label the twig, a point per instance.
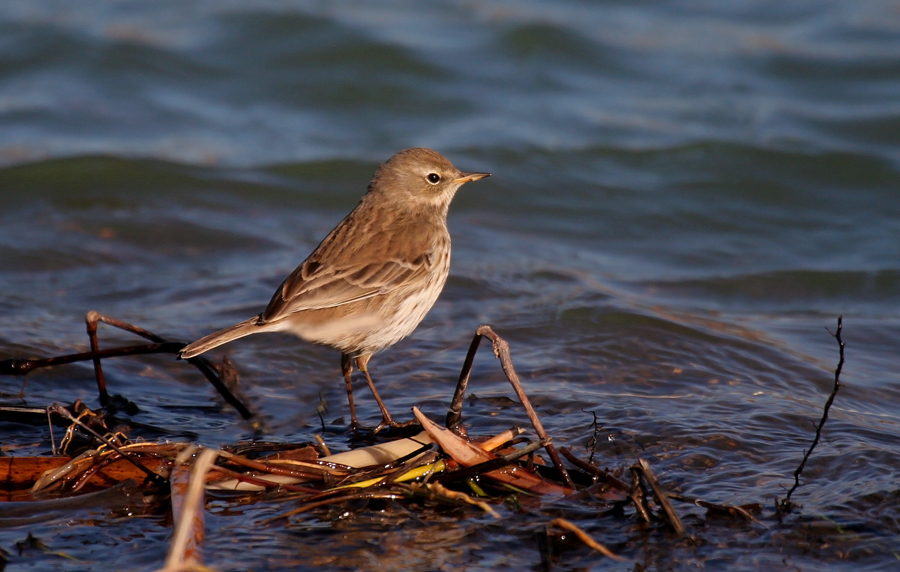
(488, 466)
(785, 505)
(93, 317)
(501, 351)
(637, 495)
(24, 366)
(596, 472)
(160, 346)
(741, 511)
(660, 494)
(584, 537)
(324, 447)
(261, 482)
(454, 414)
(153, 477)
(592, 441)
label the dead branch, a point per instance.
(743, 511)
(501, 351)
(151, 476)
(159, 346)
(25, 366)
(661, 497)
(597, 473)
(785, 505)
(637, 496)
(488, 466)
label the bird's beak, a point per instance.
(469, 177)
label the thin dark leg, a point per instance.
(386, 419)
(347, 370)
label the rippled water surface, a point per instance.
(685, 195)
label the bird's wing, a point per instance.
(342, 270)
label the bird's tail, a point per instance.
(215, 340)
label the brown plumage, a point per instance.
(374, 277)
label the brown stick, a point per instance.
(151, 476)
(93, 317)
(488, 466)
(454, 414)
(160, 345)
(262, 482)
(501, 351)
(25, 366)
(305, 473)
(585, 537)
(741, 511)
(664, 502)
(597, 472)
(637, 495)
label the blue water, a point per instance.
(684, 197)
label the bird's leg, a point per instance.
(362, 363)
(347, 370)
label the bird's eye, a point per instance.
(433, 178)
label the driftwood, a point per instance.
(420, 467)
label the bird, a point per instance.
(374, 277)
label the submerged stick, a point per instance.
(636, 494)
(596, 472)
(501, 351)
(785, 505)
(585, 537)
(742, 511)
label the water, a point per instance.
(685, 196)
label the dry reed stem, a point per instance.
(189, 525)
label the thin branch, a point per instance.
(661, 496)
(501, 351)
(596, 472)
(454, 414)
(153, 477)
(785, 505)
(160, 346)
(636, 494)
(24, 366)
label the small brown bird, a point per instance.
(375, 276)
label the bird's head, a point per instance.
(420, 178)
